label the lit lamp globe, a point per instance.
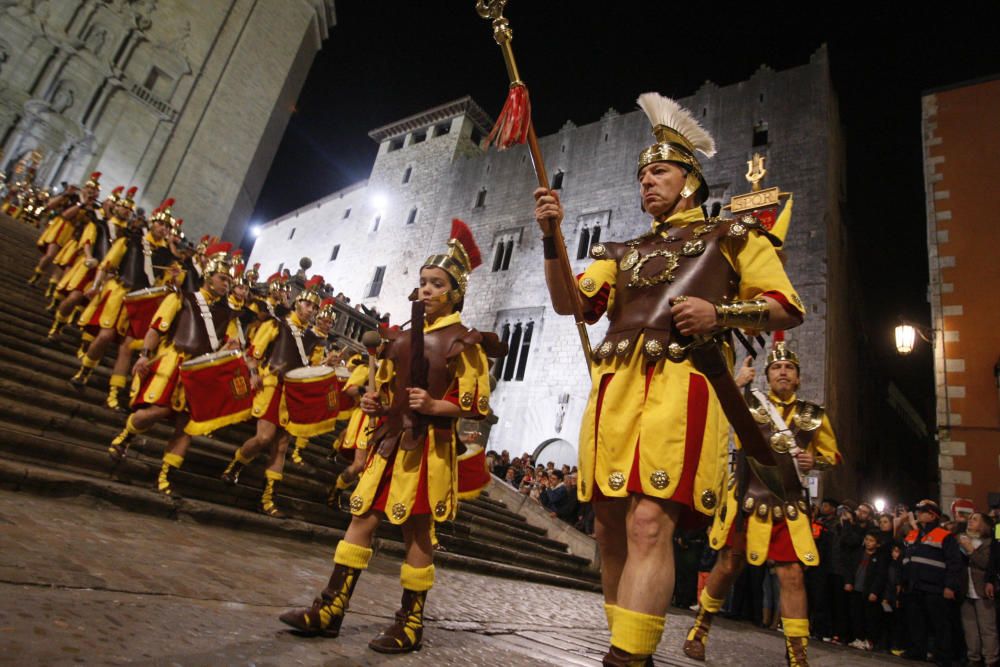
(906, 336)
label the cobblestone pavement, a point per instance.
(84, 582)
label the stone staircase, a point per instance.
(61, 433)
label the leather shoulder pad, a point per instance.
(808, 416)
(739, 228)
(464, 338)
(492, 345)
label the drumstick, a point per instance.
(371, 340)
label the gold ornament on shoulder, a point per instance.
(708, 499)
(654, 348)
(441, 508)
(629, 260)
(466, 400)
(356, 503)
(398, 511)
(588, 284)
(616, 481)
(807, 418)
(704, 228)
(598, 251)
(659, 479)
(693, 248)
(738, 230)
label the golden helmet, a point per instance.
(678, 136)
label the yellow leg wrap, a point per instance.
(795, 627)
(241, 458)
(635, 632)
(173, 460)
(273, 475)
(610, 610)
(418, 579)
(163, 481)
(710, 604)
(352, 555)
(118, 381)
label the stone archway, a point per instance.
(556, 450)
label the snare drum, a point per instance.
(217, 388)
(311, 400)
(141, 305)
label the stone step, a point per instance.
(46, 422)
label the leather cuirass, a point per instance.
(132, 272)
(655, 268)
(284, 354)
(190, 331)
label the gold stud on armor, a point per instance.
(809, 557)
(484, 404)
(708, 499)
(629, 260)
(676, 351)
(777, 513)
(398, 511)
(441, 508)
(792, 512)
(356, 503)
(605, 349)
(616, 480)
(748, 505)
(598, 251)
(762, 510)
(466, 400)
(588, 284)
(654, 348)
(622, 346)
(803, 506)
(659, 479)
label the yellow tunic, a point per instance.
(58, 231)
(355, 435)
(470, 375)
(823, 447)
(657, 420)
(74, 278)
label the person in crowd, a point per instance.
(894, 621)
(978, 610)
(932, 580)
(864, 598)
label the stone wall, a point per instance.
(183, 98)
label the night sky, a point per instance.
(387, 60)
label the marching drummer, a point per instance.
(99, 233)
(136, 261)
(186, 325)
(277, 347)
(324, 354)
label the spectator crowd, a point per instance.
(913, 582)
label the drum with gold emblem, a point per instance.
(311, 400)
(141, 305)
(217, 391)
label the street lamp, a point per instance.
(906, 336)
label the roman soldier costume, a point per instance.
(412, 458)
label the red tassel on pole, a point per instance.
(514, 120)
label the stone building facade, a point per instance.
(183, 98)
(961, 146)
(370, 239)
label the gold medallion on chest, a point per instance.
(629, 260)
(664, 275)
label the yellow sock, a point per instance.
(352, 555)
(242, 459)
(132, 428)
(609, 611)
(89, 363)
(173, 460)
(795, 627)
(117, 381)
(417, 579)
(708, 603)
(635, 632)
(273, 475)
